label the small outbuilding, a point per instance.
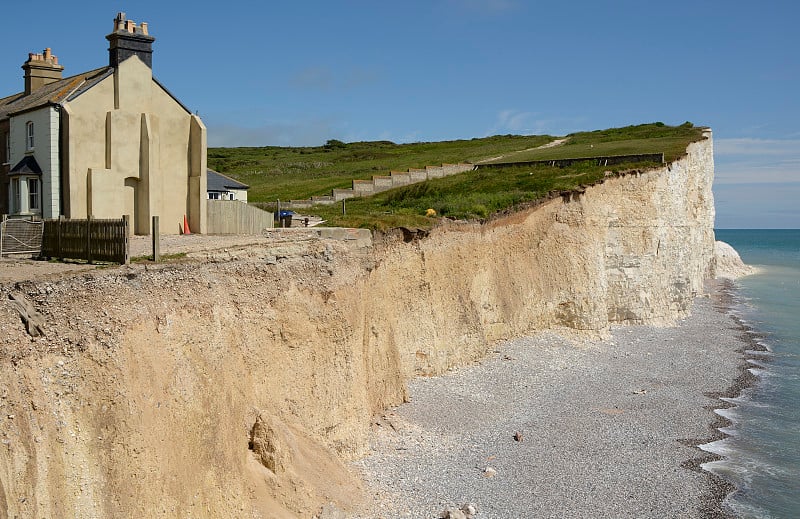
(222, 187)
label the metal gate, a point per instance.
(18, 236)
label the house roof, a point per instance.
(62, 90)
(52, 93)
(27, 166)
(219, 182)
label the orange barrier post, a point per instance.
(186, 229)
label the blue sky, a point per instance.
(300, 73)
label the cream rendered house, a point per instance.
(105, 143)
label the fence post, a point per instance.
(126, 226)
(89, 239)
(59, 227)
(156, 241)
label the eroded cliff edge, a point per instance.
(232, 385)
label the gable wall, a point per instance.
(130, 152)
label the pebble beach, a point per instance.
(552, 427)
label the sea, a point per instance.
(762, 453)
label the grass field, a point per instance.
(298, 173)
(648, 138)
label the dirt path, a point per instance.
(552, 144)
(19, 268)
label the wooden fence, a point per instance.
(605, 160)
(90, 240)
(20, 236)
(234, 217)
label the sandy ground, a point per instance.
(606, 428)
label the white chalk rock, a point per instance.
(729, 264)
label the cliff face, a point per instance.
(233, 385)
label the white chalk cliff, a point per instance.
(234, 388)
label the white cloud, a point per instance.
(530, 123)
(743, 161)
(304, 133)
(757, 206)
(514, 121)
(491, 6)
(749, 146)
(325, 78)
(313, 78)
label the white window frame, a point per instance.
(34, 193)
(29, 135)
(16, 199)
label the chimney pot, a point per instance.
(129, 40)
(119, 22)
(41, 69)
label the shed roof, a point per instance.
(218, 182)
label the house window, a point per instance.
(33, 194)
(8, 147)
(213, 196)
(29, 138)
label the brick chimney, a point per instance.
(129, 40)
(41, 69)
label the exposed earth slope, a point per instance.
(233, 384)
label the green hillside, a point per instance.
(298, 173)
(285, 173)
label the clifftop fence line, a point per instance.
(380, 183)
(609, 160)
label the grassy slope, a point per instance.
(295, 173)
(646, 138)
(298, 173)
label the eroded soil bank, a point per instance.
(234, 383)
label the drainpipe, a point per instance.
(59, 109)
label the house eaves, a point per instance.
(51, 94)
(165, 89)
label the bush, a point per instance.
(333, 144)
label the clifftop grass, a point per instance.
(631, 140)
(284, 173)
(298, 173)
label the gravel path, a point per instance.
(21, 267)
(603, 428)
